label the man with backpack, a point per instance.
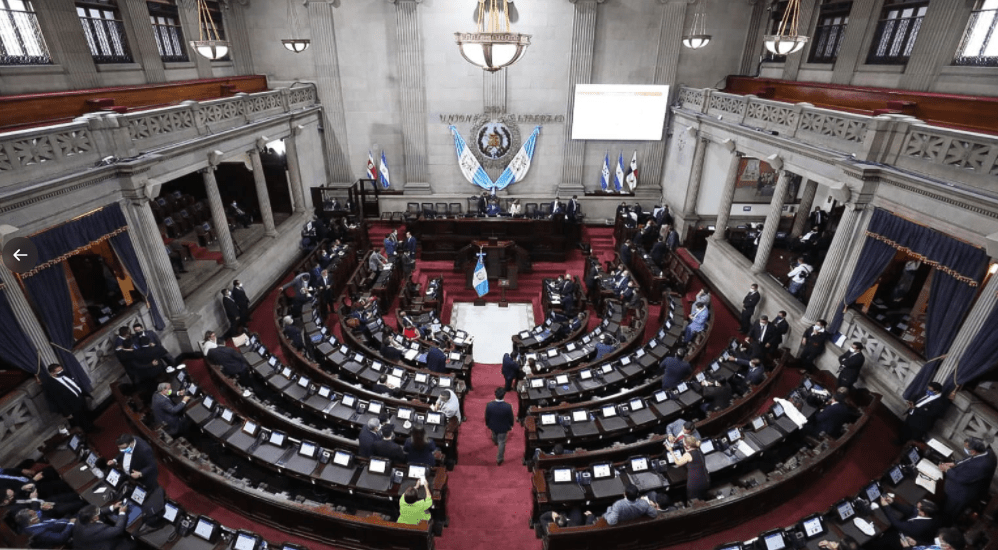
(798, 277)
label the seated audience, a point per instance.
(419, 449)
(93, 533)
(167, 412)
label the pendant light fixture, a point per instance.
(697, 36)
(495, 46)
(787, 39)
(293, 44)
(210, 44)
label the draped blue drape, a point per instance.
(122, 245)
(49, 291)
(873, 260)
(15, 345)
(981, 355)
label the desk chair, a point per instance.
(455, 209)
(530, 210)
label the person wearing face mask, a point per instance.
(166, 411)
(67, 397)
(923, 413)
(947, 539)
(850, 363)
(917, 523)
(748, 308)
(813, 343)
(137, 461)
(968, 479)
(763, 338)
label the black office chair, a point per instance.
(412, 208)
(530, 210)
(455, 209)
(428, 209)
(545, 210)
(172, 231)
(441, 208)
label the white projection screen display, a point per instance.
(619, 112)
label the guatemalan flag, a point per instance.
(383, 175)
(604, 176)
(372, 170)
(517, 168)
(481, 278)
(632, 172)
(470, 167)
(618, 176)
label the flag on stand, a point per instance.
(632, 172)
(383, 175)
(604, 177)
(618, 176)
(372, 170)
(481, 278)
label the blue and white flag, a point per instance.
(604, 177)
(618, 177)
(472, 170)
(383, 172)
(517, 168)
(481, 278)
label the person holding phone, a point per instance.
(411, 509)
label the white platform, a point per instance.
(492, 326)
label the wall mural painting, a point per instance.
(756, 181)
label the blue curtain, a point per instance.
(873, 260)
(15, 345)
(122, 245)
(49, 291)
(981, 355)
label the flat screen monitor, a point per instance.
(775, 541)
(570, 347)
(845, 510)
(138, 495)
(601, 471)
(205, 528)
(434, 418)
(731, 547)
(303, 381)
(640, 353)
(227, 415)
(445, 382)
(344, 349)
(277, 438)
(421, 377)
(660, 396)
(586, 339)
(358, 357)
(897, 476)
(375, 407)
(562, 475)
(376, 365)
(734, 434)
(349, 400)
(170, 512)
(182, 376)
(813, 527)
(287, 372)
(325, 392)
(913, 456)
(707, 446)
(250, 427)
(113, 478)
(245, 541)
(701, 377)
(417, 472)
(536, 382)
(625, 360)
(307, 449)
(192, 389)
(682, 387)
(636, 404)
(561, 379)
(208, 402)
(378, 466)
(606, 369)
(548, 419)
(272, 361)
(758, 423)
(404, 413)
(639, 464)
(609, 411)
(342, 458)
(74, 443)
(586, 374)
(92, 459)
(580, 416)
(778, 410)
(808, 384)
(872, 492)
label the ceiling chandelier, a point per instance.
(210, 44)
(697, 36)
(495, 46)
(296, 45)
(787, 39)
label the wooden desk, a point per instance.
(546, 240)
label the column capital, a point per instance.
(776, 161)
(261, 144)
(730, 145)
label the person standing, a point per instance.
(573, 208)
(923, 413)
(813, 343)
(850, 363)
(165, 411)
(66, 397)
(510, 371)
(781, 325)
(242, 300)
(697, 477)
(969, 478)
(137, 461)
(762, 338)
(798, 277)
(499, 420)
(749, 302)
(231, 309)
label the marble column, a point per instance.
(852, 53)
(139, 214)
(145, 52)
(772, 223)
(294, 172)
(189, 19)
(968, 330)
(807, 17)
(412, 94)
(218, 217)
(666, 64)
(63, 32)
(804, 209)
(935, 44)
(329, 90)
(727, 197)
(26, 318)
(696, 173)
(262, 195)
(580, 71)
(825, 283)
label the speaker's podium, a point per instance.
(503, 262)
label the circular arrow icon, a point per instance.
(20, 255)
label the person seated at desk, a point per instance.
(419, 449)
(368, 436)
(376, 262)
(57, 505)
(628, 508)
(436, 360)
(916, 523)
(382, 386)
(386, 446)
(697, 322)
(515, 208)
(231, 361)
(697, 478)
(45, 533)
(625, 253)
(168, 413)
(751, 373)
(832, 417)
(493, 210)
(604, 347)
(949, 538)
(448, 405)
(717, 395)
(675, 370)
(292, 333)
(847, 543)
(630, 294)
(389, 351)
(411, 509)
(572, 518)
(92, 533)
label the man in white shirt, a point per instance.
(798, 276)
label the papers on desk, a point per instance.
(100, 490)
(939, 447)
(524, 334)
(865, 526)
(928, 475)
(410, 354)
(792, 412)
(744, 448)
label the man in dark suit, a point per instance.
(658, 251)
(813, 343)
(483, 204)
(66, 397)
(850, 363)
(818, 218)
(499, 420)
(748, 307)
(292, 333)
(572, 211)
(410, 244)
(753, 372)
(368, 436)
(918, 523)
(389, 246)
(436, 360)
(762, 338)
(324, 292)
(92, 533)
(557, 207)
(832, 418)
(45, 533)
(716, 395)
(625, 253)
(968, 479)
(139, 332)
(675, 370)
(567, 293)
(510, 370)
(137, 461)
(781, 325)
(386, 446)
(242, 300)
(231, 309)
(165, 411)
(923, 413)
(230, 360)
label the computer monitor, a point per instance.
(609, 411)
(778, 410)
(375, 407)
(570, 347)
(562, 475)
(92, 459)
(872, 492)
(208, 402)
(416, 471)
(170, 512)
(376, 365)
(636, 404)
(734, 434)
(192, 389)
(205, 529)
(682, 387)
(536, 382)
(378, 466)
(138, 495)
(114, 478)
(421, 377)
(227, 415)
(434, 418)
(325, 392)
(342, 458)
(625, 360)
(845, 510)
(245, 541)
(303, 381)
(404, 413)
(74, 443)
(758, 423)
(660, 396)
(701, 377)
(775, 541)
(707, 446)
(896, 474)
(287, 372)
(348, 400)
(308, 449)
(358, 357)
(586, 374)
(277, 438)
(561, 379)
(730, 546)
(606, 369)
(272, 361)
(813, 527)
(639, 464)
(580, 416)
(344, 349)
(548, 419)
(445, 382)
(601, 471)
(913, 456)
